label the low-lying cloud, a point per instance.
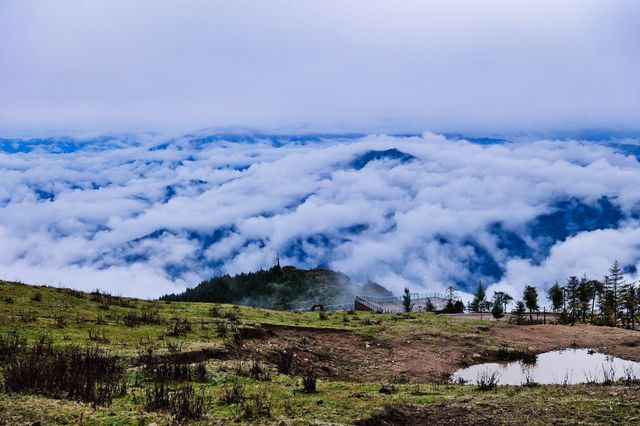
(146, 216)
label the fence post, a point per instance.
(544, 317)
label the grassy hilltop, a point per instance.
(228, 364)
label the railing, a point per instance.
(414, 296)
(369, 304)
(373, 302)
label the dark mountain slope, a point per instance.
(279, 288)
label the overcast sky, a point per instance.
(73, 66)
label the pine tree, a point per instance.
(451, 293)
(556, 297)
(571, 297)
(530, 297)
(406, 301)
(585, 295)
(429, 307)
(519, 312)
(597, 289)
(478, 302)
(497, 310)
(617, 281)
(630, 295)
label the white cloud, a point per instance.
(84, 218)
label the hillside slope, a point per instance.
(248, 365)
(280, 288)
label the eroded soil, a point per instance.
(428, 357)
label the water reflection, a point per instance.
(569, 366)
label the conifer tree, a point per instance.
(519, 312)
(556, 297)
(407, 305)
(530, 297)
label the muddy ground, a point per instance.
(431, 357)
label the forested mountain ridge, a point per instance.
(279, 288)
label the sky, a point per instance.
(166, 151)
(78, 67)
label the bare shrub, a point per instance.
(174, 346)
(608, 375)
(98, 336)
(11, 344)
(88, 375)
(74, 293)
(200, 372)
(185, 404)
(222, 329)
(309, 380)
(529, 381)
(148, 315)
(179, 327)
(61, 321)
(164, 369)
(234, 341)
(631, 377)
(256, 405)
(26, 316)
(232, 393)
(256, 370)
(284, 359)
(217, 311)
(487, 381)
(157, 398)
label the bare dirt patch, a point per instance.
(543, 338)
(430, 357)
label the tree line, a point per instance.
(611, 301)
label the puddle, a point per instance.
(570, 366)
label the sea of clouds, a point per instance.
(146, 215)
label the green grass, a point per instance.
(336, 402)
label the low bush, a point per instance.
(309, 380)
(234, 341)
(256, 370)
(232, 393)
(174, 346)
(179, 327)
(284, 359)
(487, 381)
(80, 374)
(256, 406)
(98, 336)
(61, 321)
(26, 317)
(11, 344)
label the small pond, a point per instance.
(569, 366)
